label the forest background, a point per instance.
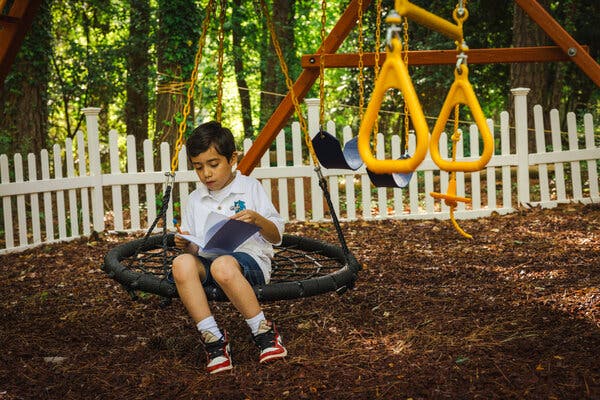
(133, 58)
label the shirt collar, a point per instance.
(235, 186)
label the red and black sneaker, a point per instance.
(217, 353)
(269, 342)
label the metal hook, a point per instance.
(393, 19)
(461, 8)
(461, 60)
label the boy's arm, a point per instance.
(268, 229)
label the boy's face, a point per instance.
(213, 169)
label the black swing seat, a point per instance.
(301, 267)
(331, 155)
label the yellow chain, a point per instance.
(221, 36)
(405, 49)
(288, 82)
(361, 76)
(190, 91)
(322, 67)
(377, 54)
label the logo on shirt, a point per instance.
(238, 206)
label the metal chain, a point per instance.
(405, 56)
(322, 67)
(190, 91)
(377, 55)
(288, 82)
(361, 76)
(220, 74)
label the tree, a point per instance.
(283, 16)
(536, 76)
(23, 99)
(87, 65)
(138, 71)
(178, 31)
(239, 32)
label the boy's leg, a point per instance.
(227, 272)
(188, 272)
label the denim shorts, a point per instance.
(248, 264)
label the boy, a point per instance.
(211, 150)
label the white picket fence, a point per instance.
(74, 196)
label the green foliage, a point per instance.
(91, 39)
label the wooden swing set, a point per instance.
(567, 49)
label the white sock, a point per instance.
(209, 324)
(255, 321)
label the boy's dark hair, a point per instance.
(211, 134)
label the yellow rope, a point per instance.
(457, 134)
(190, 91)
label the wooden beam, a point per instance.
(438, 57)
(14, 28)
(562, 38)
(307, 78)
(6, 20)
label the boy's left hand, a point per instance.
(249, 216)
(267, 228)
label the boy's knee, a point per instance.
(224, 269)
(183, 266)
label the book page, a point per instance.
(223, 235)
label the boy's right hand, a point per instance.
(180, 242)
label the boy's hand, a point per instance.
(249, 216)
(267, 228)
(184, 244)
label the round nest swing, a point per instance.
(301, 267)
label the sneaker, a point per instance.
(217, 352)
(269, 341)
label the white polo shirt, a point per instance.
(242, 193)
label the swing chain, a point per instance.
(361, 76)
(322, 68)
(406, 111)
(220, 74)
(377, 67)
(190, 92)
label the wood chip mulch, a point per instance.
(512, 314)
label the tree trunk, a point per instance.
(544, 79)
(138, 71)
(273, 80)
(530, 75)
(240, 73)
(23, 99)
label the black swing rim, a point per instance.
(338, 281)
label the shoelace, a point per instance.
(266, 339)
(215, 349)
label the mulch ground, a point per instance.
(512, 314)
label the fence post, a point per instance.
(91, 120)
(522, 144)
(312, 112)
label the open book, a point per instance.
(223, 235)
